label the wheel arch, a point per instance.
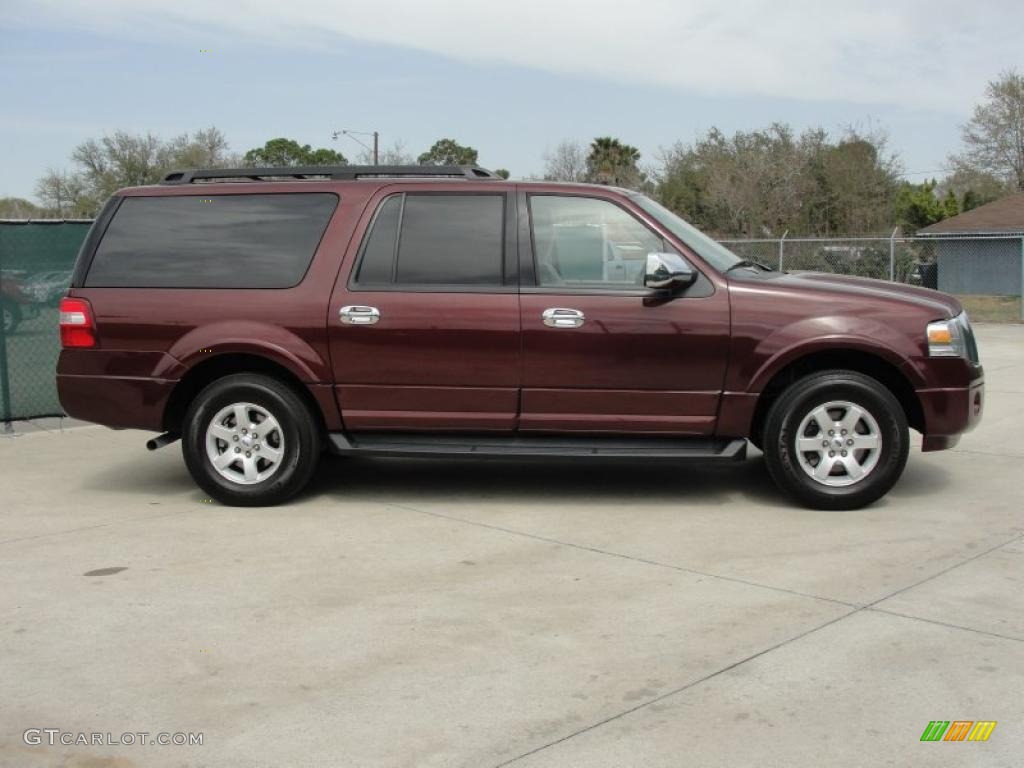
(212, 368)
(858, 360)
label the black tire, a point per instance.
(798, 402)
(10, 315)
(297, 430)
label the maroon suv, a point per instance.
(265, 315)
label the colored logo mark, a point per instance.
(958, 730)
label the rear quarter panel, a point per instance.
(150, 337)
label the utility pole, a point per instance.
(352, 135)
(892, 255)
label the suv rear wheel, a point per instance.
(836, 440)
(250, 440)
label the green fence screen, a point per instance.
(36, 259)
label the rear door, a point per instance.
(616, 358)
(424, 319)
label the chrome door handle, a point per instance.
(560, 317)
(355, 315)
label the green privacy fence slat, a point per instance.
(36, 259)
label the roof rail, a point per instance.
(333, 172)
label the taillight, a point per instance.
(77, 328)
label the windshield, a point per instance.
(714, 253)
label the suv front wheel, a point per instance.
(250, 440)
(836, 440)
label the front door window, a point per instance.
(585, 242)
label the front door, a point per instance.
(600, 352)
(424, 320)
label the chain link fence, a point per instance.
(882, 258)
(897, 258)
(985, 271)
(36, 259)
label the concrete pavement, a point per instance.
(443, 613)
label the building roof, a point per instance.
(1002, 216)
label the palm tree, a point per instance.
(612, 162)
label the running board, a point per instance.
(696, 449)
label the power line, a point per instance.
(925, 173)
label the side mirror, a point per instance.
(668, 271)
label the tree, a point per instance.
(19, 208)
(682, 186)
(950, 205)
(288, 153)
(448, 152)
(503, 172)
(208, 148)
(994, 136)
(64, 195)
(566, 162)
(972, 200)
(857, 180)
(612, 162)
(393, 155)
(973, 187)
(754, 184)
(916, 206)
(762, 183)
(122, 159)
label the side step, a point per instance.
(697, 449)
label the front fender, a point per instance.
(840, 333)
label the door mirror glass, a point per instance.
(668, 271)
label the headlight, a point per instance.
(947, 338)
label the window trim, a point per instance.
(507, 275)
(528, 261)
(83, 262)
(113, 213)
(365, 240)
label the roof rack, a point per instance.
(332, 172)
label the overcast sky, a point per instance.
(511, 79)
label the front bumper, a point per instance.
(950, 412)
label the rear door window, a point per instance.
(215, 241)
(443, 240)
(378, 263)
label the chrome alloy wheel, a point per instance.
(838, 443)
(244, 443)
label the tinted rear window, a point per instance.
(379, 251)
(216, 241)
(451, 240)
(445, 240)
